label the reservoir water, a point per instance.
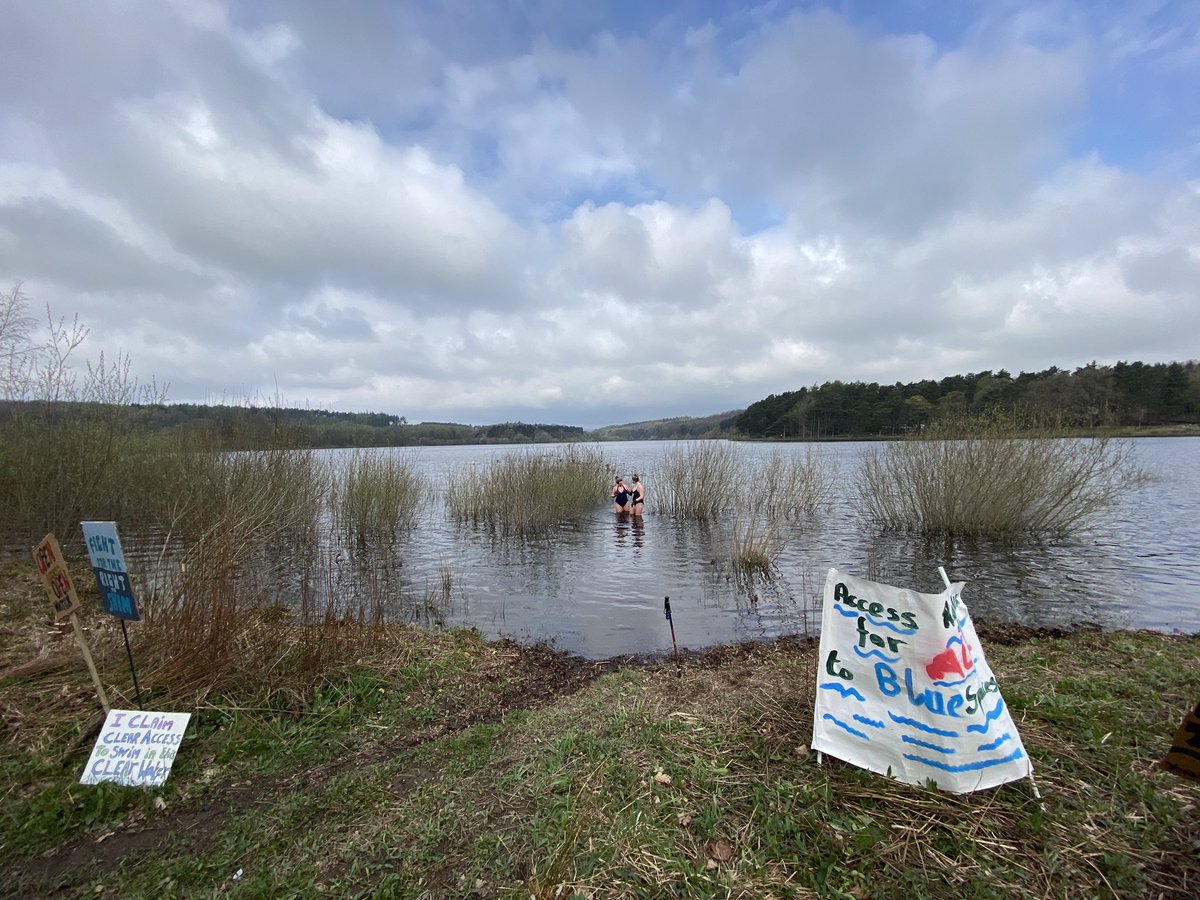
(596, 587)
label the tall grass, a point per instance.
(698, 480)
(989, 477)
(790, 486)
(529, 491)
(704, 479)
(377, 495)
(757, 543)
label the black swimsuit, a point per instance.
(621, 497)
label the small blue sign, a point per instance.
(112, 575)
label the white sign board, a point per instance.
(136, 748)
(903, 689)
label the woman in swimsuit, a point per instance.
(638, 498)
(620, 495)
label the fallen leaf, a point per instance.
(661, 777)
(685, 820)
(160, 803)
(720, 850)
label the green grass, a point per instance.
(429, 771)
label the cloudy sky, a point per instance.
(591, 213)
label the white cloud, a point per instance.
(485, 213)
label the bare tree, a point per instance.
(17, 351)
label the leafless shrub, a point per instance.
(989, 477)
(790, 486)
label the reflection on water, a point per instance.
(596, 587)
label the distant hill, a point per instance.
(247, 427)
(681, 427)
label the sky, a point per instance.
(552, 211)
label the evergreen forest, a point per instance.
(1124, 395)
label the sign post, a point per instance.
(112, 578)
(57, 581)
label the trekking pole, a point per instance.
(667, 609)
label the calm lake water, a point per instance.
(597, 588)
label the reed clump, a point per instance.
(377, 495)
(529, 491)
(698, 480)
(992, 477)
(757, 544)
(790, 486)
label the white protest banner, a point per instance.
(904, 689)
(136, 748)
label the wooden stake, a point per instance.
(87, 656)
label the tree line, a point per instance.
(1126, 394)
(253, 427)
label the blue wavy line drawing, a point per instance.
(955, 683)
(909, 739)
(879, 653)
(991, 717)
(874, 723)
(841, 724)
(967, 767)
(843, 690)
(878, 623)
(921, 726)
(954, 639)
(996, 743)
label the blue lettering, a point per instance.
(885, 676)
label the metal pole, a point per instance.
(137, 692)
(667, 609)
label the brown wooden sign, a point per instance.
(1184, 756)
(57, 581)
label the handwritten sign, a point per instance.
(55, 578)
(904, 689)
(1184, 756)
(112, 575)
(136, 748)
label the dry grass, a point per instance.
(529, 491)
(789, 486)
(377, 495)
(757, 543)
(697, 480)
(644, 784)
(987, 478)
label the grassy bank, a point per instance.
(445, 765)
